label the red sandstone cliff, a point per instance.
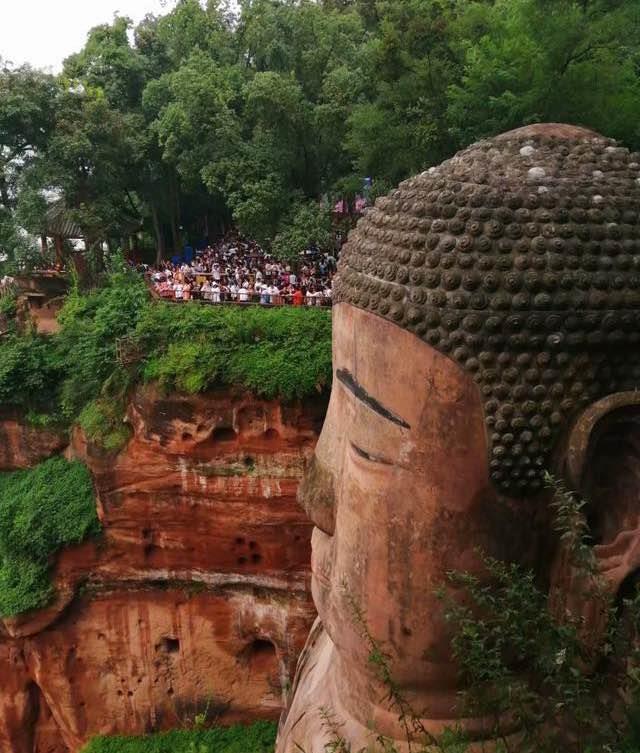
(22, 446)
(196, 597)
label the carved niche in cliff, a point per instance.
(483, 308)
(195, 599)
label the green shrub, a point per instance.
(41, 510)
(103, 423)
(30, 373)
(75, 374)
(257, 738)
(91, 325)
(8, 306)
(272, 352)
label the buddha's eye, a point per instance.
(369, 456)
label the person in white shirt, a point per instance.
(243, 295)
(178, 291)
(215, 293)
(206, 290)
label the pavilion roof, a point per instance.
(58, 221)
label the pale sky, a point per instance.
(45, 32)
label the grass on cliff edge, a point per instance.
(75, 375)
(41, 510)
(256, 738)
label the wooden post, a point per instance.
(59, 259)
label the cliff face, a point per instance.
(194, 601)
(22, 446)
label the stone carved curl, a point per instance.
(520, 259)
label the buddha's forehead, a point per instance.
(519, 258)
(389, 362)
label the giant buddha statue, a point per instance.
(486, 329)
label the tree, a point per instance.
(88, 162)
(308, 225)
(28, 100)
(531, 61)
(214, 115)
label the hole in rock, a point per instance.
(260, 656)
(223, 434)
(249, 462)
(251, 419)
(240, 541)
(170, 691)
(169, 645)
(242, 560)
(628, 589)
(271, 434)
(186, 436)
(255, 558)
(252, 545)
(150, 550)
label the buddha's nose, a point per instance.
(317, 496)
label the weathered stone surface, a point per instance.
(40, 298)
(196, 597)
(22, 446)
(400, 494)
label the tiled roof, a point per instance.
(59, 222)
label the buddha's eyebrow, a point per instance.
(349, 381)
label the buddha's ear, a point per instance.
(600, 459)
(604, 435)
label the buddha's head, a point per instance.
(480, 307)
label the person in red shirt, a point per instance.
(298, 298)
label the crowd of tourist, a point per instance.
(239, 271)
(7, 285)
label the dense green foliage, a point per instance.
(208, 117)
(41, 511)
(30, 373)
(8, 307)
(566, 692)
(257, 738)
(76, 374)
(102, 421)
(272, 352)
